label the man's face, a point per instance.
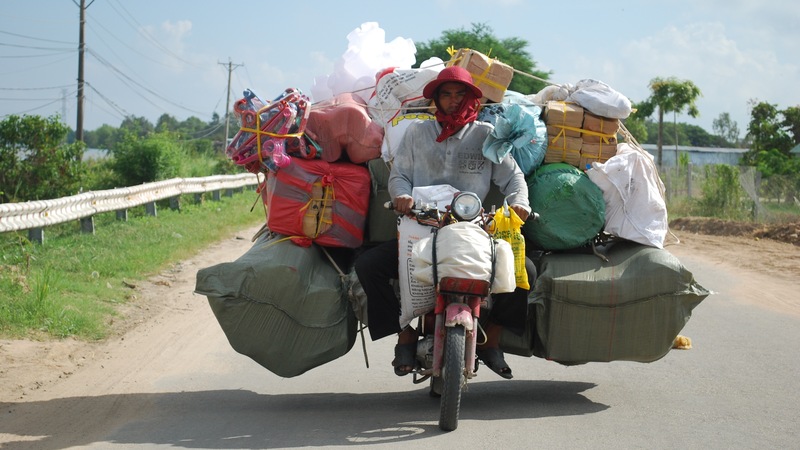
(451, 94)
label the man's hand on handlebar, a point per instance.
(521, 212)
(403, 204)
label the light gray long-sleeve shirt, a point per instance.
(457, 161)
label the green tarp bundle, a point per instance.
(629, 308)
(570, 206)
(282, 305)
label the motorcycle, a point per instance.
(449, 333)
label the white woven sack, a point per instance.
(416, 298)
(635, 208)
(464, 250)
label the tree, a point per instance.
(36, 163)
(103, 137)
(669, 95)
(726, 128)
(166, 123)
(766, 128)
(139, 126)
(791, 120)
(481, 38)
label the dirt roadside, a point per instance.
(29, 369)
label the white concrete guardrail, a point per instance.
(35, 215)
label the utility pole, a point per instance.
(81, 49)
(231, 66)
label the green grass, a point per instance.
(73, 284)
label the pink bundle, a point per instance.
(270, 132)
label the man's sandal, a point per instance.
(405, 355)
(493, 358)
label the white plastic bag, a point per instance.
(632, 190)
(600, 99)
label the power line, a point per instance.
(141, 30)
(36, 89)
(36, 38)
(122, 74)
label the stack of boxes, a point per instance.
(578, 137)
(599, 139)
(564, 121)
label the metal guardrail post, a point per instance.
(150, 209)
(36, 235)
(87, 225)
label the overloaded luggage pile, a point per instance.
(289, 302)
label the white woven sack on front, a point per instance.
(464, 250)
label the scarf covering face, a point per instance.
(451, 123)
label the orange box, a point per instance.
(563, 149)
(596, 152)
(489, 74)
(600, 129)
(558, 115)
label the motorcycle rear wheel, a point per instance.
(452, 378)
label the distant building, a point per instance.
(698, 156)
(795, 151)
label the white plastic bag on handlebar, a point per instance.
(464, 250)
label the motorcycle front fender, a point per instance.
(458, 314)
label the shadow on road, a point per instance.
(235, 419)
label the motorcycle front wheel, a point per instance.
(452, 378)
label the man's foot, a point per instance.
(493, 358)
(405, 352)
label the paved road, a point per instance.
(737, 388)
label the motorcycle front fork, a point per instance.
(430, 348)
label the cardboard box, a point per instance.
(600, 129)
(562, 148)
(564, 130)
(558, 115)
(596, 152)
(491, 75)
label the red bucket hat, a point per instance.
(451, 74)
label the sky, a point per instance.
(145, 58)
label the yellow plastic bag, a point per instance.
(508, 227)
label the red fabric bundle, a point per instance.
(317, 201)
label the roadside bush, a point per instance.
(142, 160)
(723, 195)
(36, 163)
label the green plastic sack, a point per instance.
(570, 206)
(630, 308)
(282, 305)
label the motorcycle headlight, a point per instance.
(466, 206)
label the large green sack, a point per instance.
(630, 308)
(282, 305)
(570, 206)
